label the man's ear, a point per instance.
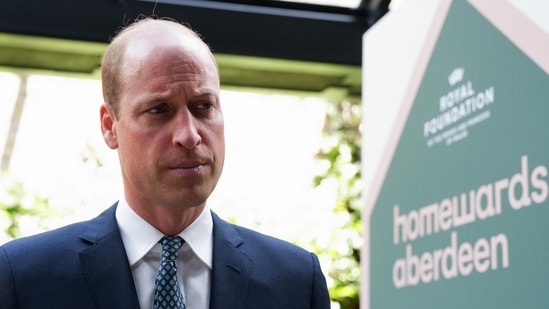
(108, 125)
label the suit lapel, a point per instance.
(105, 264)
(231, 268)
(106, 268)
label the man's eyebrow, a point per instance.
(206, 91)
(209, 95)
(154, 97)
(158, 97)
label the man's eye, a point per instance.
(158, 109)
(205, 105)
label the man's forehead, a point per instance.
(169, 39)
(152, 29)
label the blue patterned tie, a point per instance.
(167, 294)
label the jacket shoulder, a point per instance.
(59, 240)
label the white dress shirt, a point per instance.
(194, 263)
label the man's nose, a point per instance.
(186, 133)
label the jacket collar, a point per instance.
(105, 264)
(106, 268)
(231, 268)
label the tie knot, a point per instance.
(170, 247)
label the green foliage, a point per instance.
(341, 154)
(16, 204)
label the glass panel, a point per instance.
(9, 85)
(353, 4)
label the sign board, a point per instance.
(458, 215)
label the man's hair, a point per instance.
(113, 59)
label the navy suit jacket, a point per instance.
(84, 265)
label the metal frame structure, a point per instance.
(271, 29)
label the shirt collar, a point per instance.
(140, 237)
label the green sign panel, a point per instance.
(462, 217)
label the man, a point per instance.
(163, 115)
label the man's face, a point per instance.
(169, 130)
